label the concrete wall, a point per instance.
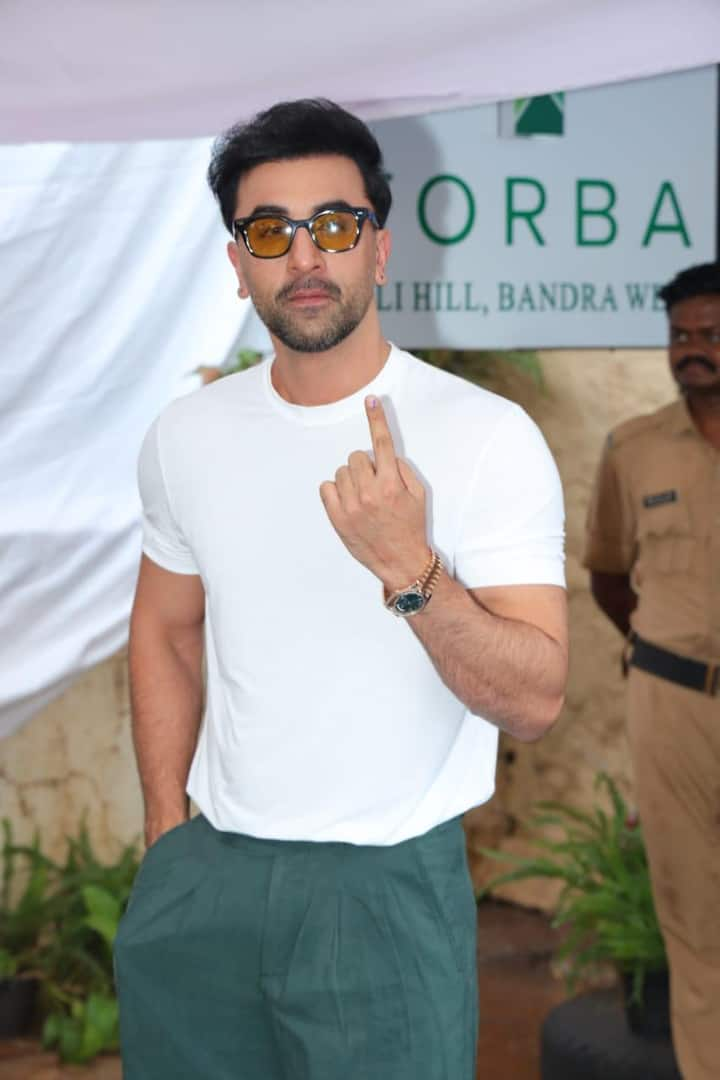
(75, 757)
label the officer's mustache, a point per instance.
(696, 359)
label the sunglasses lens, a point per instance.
(335, 230)
(269, 236)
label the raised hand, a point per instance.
(378, 508)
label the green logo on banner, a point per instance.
(544, 115)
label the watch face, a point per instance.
(410, 602)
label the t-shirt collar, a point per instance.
(315, 415)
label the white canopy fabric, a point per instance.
(114, 279)
(115, 287)
(177, 68)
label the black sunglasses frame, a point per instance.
(360, 213)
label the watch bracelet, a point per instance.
(428, 578)
(428, 585)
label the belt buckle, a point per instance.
(712, 679)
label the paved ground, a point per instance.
(516, 992)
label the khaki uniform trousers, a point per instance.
(675, 744)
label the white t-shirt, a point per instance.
(325, 718)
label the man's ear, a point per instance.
(383, 246)
(234, 257)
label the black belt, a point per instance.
(678, 669)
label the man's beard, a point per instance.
(706, 390)
(319, 331)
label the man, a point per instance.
(653, 550)
(317, 920)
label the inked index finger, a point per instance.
(383, 446)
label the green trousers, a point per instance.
(247, 959)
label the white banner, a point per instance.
(510, 241)
(115, 286)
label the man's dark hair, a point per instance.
(296, 129)
(701, 280)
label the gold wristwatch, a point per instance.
(413, 598)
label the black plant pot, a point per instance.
(17, 1000)
(651, 1019)
(588, 1038)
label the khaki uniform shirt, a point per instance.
(655, 514)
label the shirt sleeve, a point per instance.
(512, 530)
(163, 540)
(610, 526)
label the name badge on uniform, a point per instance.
(660, 498)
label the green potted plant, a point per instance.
(60, 931)
(24, 914)
(76, 961)
(605, 904)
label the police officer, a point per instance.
(653, 550)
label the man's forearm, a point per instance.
(166, 694)
(507, 671)
(501, 663)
